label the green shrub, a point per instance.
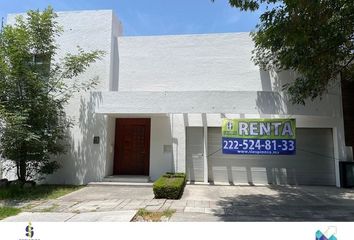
(174, 175)
(170, 185)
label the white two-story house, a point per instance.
(160, 101)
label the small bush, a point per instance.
(170, 186)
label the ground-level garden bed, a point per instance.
(144, 215)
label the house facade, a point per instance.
(160, 102)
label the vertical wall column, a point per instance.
(205, 153)
(336, 147)
(178, 131)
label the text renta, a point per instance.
(265, 129)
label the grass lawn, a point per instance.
(40, 192)
(8, 211)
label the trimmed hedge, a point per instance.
(170, 186)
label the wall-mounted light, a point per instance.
(96, 140)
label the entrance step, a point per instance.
(130, 184)
(123, 180)
(127, 179)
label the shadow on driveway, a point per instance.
(276, 203)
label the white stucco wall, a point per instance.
(160, 160)
(86, 161)
(188, 62)
(261, 102)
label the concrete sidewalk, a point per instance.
(112, 216)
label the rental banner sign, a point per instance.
(259, 136)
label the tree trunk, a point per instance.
(23, 171)
(22, 164)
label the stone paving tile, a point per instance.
(156, 202)
(122, 204)
(164, 207)
(203, 204)
(111, 216)
(119, 201)
(190, 203)
(130, 207)
(95, 205)
(107, 206)
(167, 205)
(153, 207)
(144, 203)
(194, 217)
(83, 207)
(64, 206)
(209, 210)
(213, 204)
(179, 203)
(53, 206)
(72, 207)
(178, 209)
(194, 209)
(134, 204)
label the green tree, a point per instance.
(35, 86)
(314, 38)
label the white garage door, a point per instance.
(194, 156)
(313, 163)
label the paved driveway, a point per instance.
(200, 203)
(101, 198)
(91, 204)
(267, 203)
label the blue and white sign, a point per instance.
(259, 136)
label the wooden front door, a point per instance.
(132, 146)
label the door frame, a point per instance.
(116, 157)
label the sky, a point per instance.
(154, 17)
